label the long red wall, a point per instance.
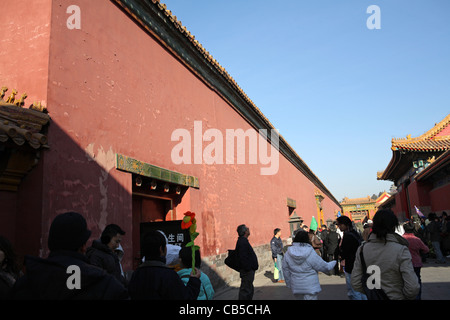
(112, 88)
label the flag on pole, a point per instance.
(420, 214)
(313, 225)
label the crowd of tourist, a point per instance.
(398, 250)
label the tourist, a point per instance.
(367, 230)
(248, 263)
(389, 252)
(206, 289)
(347, 251)
(120, 253)
(50, 279)
(276, 246)
(172, 254)
(301, 266)
(445, 242)
(102, 255)
(422, 234)
(9, 268)
(416, 248)
(315, 241)
(434, 231)
(331, 244)
(154, 280)
(323, 234)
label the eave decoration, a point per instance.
(22, 137)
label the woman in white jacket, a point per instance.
(301, 265)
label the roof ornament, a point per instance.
(20, 102)
(12, 97)
(3, 92)
(38, 107)
(431, 159)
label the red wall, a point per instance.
(24, 54)
(419, 194)
(113, 89)
(424, 197)
(440, 199)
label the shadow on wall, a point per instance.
(66, 178)
(69, 178)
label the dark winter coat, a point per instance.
(102, 256)
(331, 242)
(247, 256)
(350, 243)
(434, 230)
(46, 279)
(153, 280)
(276, 245)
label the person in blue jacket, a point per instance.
(206, 288)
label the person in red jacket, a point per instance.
(416, 247)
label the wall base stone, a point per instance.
(221, 275)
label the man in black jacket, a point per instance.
(102, 255)
(66, 274)
(248, 263)
(332, 244)
(153, 280)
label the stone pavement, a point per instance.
(435, 285)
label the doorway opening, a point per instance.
(154, 201)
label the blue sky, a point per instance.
(337, 91)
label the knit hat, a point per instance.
(68, 231)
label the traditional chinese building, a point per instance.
(116, 89)
(361, 209)
(420, 169)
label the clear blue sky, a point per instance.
(337, 91)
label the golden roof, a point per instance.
(367, 199)
(435, 139)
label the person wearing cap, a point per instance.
(50, 278)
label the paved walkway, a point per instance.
(435, 285)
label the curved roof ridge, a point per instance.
(429, 135)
